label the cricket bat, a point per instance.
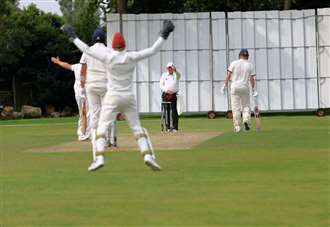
(257, 118)
(257, 114)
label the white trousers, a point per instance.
(240, 103)
(95, 92)
(83, 130)
(126, 104)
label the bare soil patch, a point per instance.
(126, 142)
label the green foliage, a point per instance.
(6, 6)
(83, 15)
(180, 6)
(29, 38)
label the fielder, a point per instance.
(83, 131)
(96, 87)
(240, 72)
(120, 66)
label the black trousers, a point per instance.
(171, 112)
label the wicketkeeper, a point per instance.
(240, 73)
(83, 131)
(120, 66)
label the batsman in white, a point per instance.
(96, 87)
(240, 73)
(83, 131)
(120, 66)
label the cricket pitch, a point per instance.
(126, 142)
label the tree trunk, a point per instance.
(122, 6)
(287, 4)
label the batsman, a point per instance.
(120, 66)
(240, 73)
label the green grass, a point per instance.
(278, 177)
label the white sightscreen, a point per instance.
(292, 70)
(324, 50)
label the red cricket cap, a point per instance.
(118, 41)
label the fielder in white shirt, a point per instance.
(83, 131)
(120, 66)
(169, 85)
(96, 87)
(241, 72)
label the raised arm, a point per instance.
(168, 27)
(83, 75)
(178, 75)
(142, 54)
(64, 65)
(83, 47)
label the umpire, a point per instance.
(169, 85)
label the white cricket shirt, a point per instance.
(241, 71)
(120, 66)
(96, 71)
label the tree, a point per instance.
(83, 15)
(29, 38)
(287, 4)
(6, 6)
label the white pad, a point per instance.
(144, 142)
(101, 144)
(237, 118)
(93, 131)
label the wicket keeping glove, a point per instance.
(168, 27)
(69, 31)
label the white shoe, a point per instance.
(237, 129)
(83, 137)
(98, 163)
(151, 162)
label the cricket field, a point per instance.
(210, 175)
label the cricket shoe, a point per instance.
(83, 138)
(247, 126)
(98, 163)
(150, 161)
(237, 129)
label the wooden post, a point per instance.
(122, 8)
